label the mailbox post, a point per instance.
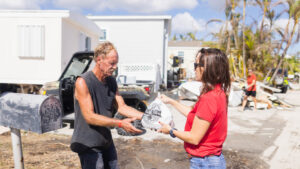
(17, 148)
(36, 113)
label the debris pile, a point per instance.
(265, 95)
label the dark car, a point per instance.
(281, 80)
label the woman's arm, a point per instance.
(183, 109)
(199, 128)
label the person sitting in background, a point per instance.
(206, 125)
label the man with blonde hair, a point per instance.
(96, 101)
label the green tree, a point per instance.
(174, 37)
(294, 14)
(244, 44)
(191, 36)
(293, 64)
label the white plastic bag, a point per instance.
(157, 112)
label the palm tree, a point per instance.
(191, 36)
(228, 39)
(234, 20)
(293, 64)
(182, 37)
(185, 36)
(264, 36)
(264, 5)
(174, 37)
(294, 14)
(244, 45)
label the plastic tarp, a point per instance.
(259, 105)
(157, 112)
(235, 98)
(189, 90)
(294, 86)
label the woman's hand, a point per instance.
(165, 99)
(165, 128)
(180, 107)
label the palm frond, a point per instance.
(214, 20)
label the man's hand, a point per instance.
(127, 126)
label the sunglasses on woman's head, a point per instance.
(198, 65)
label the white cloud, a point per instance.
(282, 23)
(215, 27)
(184, 22)
(20, 4)
(133, 6)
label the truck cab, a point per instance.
(135, 93)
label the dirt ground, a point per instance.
(259, 139)
(51, 151)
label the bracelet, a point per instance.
(171, 132)
(120, 124)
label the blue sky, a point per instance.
(187, 15)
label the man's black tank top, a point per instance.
(87, 136)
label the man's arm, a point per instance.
(84, 98)
(127, 110)
(252, 84)
(86, 105)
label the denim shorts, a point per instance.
(209, 162)
(100, 159)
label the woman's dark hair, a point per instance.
(216, 70)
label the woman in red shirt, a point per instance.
(206, 125)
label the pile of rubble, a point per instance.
(265, 95)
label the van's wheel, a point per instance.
(141, 106)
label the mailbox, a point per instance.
(36, 113)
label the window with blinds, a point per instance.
(31, 41)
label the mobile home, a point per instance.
(139, 40)
(36, 45)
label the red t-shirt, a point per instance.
(250, 78)
(211, 107)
